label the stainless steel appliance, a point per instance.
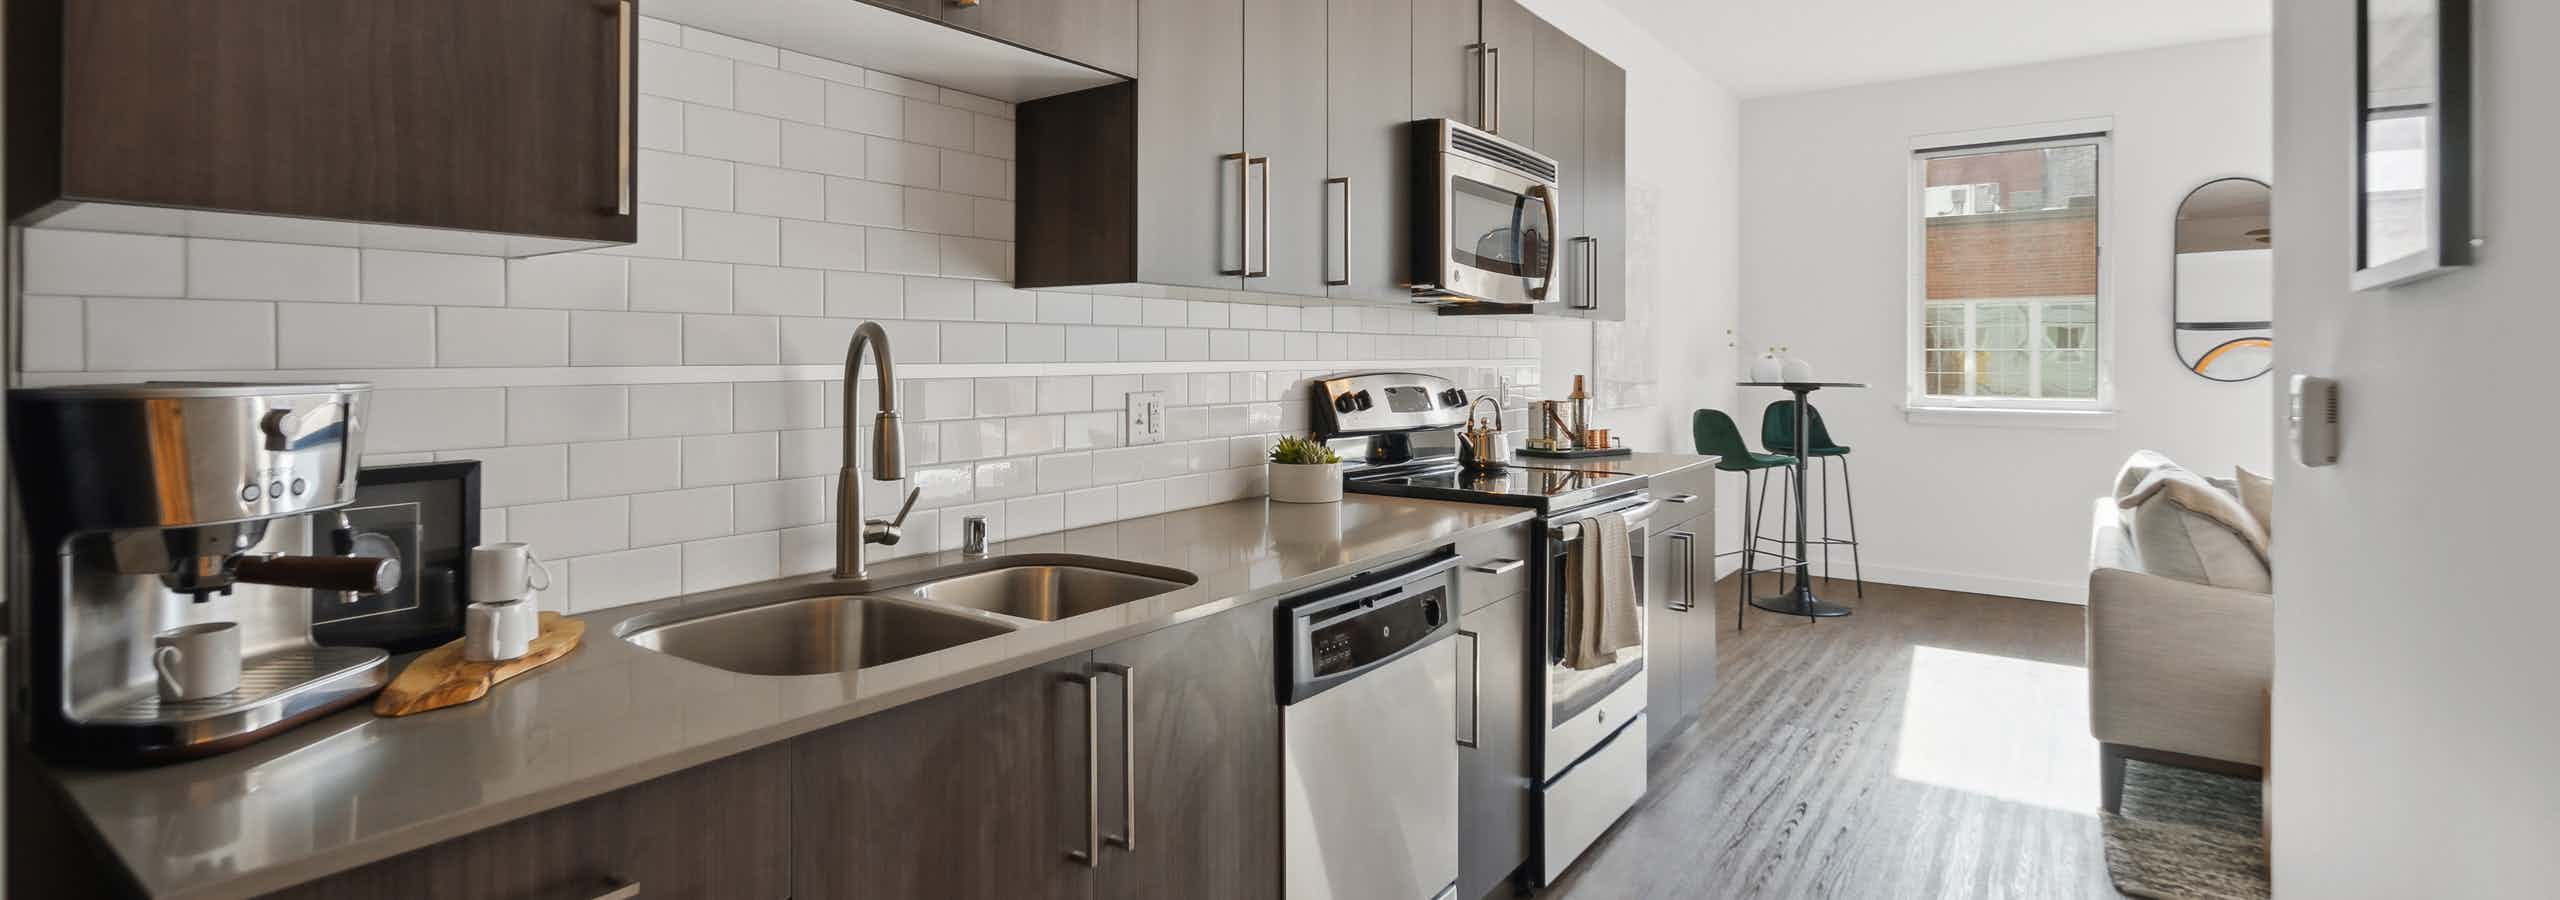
(1368, 726)
(1487, 218)
(154, 506)
(1591, 761)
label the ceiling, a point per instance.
(1761, 47)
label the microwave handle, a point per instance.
(1550, 197)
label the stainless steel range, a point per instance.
(1397, 430)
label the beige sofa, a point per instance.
(2178, 670)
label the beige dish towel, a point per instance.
(1600, 614)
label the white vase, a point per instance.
(1795, 371)
(1768, 368)
(1319, 483)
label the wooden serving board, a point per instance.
(440, 677)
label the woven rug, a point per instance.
(2186, 835)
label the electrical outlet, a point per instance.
(1145, 417)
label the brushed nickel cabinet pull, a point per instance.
(1475, 689)
(1345, 234)
(1484, 84)
(1591, 276)
(622, 189)
(1244, 214)
(1493, 89)
(620, 890)
(1091, 854)
(1265, 163)
(1682, 498)
(1498, 567)
(1688, 573)
(1127, 839)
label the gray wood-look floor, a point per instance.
(1934, 744)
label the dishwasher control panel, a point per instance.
(1335, 632)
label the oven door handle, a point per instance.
(1569, 528)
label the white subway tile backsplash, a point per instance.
(780, 94)
(810, 148)
(1066, 393)
(1110, 310)
(96, 263)
(732, 237)
(731, 340)
(661, 31)
(669, 517)
(688, 75)
(1034, 434)
(168, 335)
(349, 336)
(859, 202)
(973, 342)
(828, 69)
(551, 415)
(625, 339)
(1003, 478)
(775, 405)
(769, 505)
(1186, 344)
(938, 125)
(1066, 472)
(766, 290)
(940, 212)
(972, 439)
(569, 281)
(245, 270)
(607, 468)
(1065, 309)
(733, 48)
(671, 285)
(974, 103)
(1035, 343)
(511, 476)
(902, 163)
(441, 279)
(572, 528)
(731, 561)
(940, 298)
(974, 258)
(822, 245)
(969, 173)
(943, 398)
(1165, 311)
(608, 580)
(675, 179)
(854, 108)
(662, 410)
(994, 137)
(1090, 507)
(811, 451)
(1026, 516)
(407, 420)
(812, 342)
(1141, 344)
(661, 124)
(731, 458)
(941, 486)
(994, 218)
(52, 335)
(1086, 343)
(904, 87)
(863, 295)
(768, 191)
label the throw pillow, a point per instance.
(2185, 528)
(2258, 494)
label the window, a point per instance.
(2009, 289)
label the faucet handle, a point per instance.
(885, 531)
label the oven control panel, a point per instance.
(1385, 402)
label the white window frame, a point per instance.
(1917, 402)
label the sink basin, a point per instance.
(816, 635)
(1042, 592)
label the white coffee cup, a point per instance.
(503, 572)
(494, 632)
(197, 661)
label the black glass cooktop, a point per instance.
(1547, 489)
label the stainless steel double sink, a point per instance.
(816, 628)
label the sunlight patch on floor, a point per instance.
(2011, 729)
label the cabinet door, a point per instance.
(375, 112)
(1098, 33)
(719, 830)
(1194, 720)
(1511, 31)
(1696, 577)
(1284, 128)
(1496, 784)
(1559, 129)
(1191, 203)
(1604, 210)
(1666, 637)
(1445, 67)
(978, 793)
(1368, 100)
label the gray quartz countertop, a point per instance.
(1645, 464)
(351, 789)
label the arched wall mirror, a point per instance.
(2223, 302)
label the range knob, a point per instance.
(1453, 397)
(1345, 403)
(1361, 400)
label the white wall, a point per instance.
(1683, 144)
(664, 417)
(2000, 510)
(2415, 725)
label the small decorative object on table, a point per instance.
(1769, 367)
(1795, 371)
(1304, 470)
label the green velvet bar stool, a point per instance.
(1717, 436)
(1778, 433)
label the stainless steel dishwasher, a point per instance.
(1369, 781)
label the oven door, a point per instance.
(1581, 705)
(1498, 232)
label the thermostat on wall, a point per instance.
(2314, 420)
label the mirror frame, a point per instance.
(2448, 165)
(2178, 326)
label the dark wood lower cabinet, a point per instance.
(1205, 757)
(721, 830)
(1496, 790)
(978, 793)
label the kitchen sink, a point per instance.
(816, 635)
(1044, 592)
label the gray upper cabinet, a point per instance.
(1604, 205)
(1098, 33)
(1511, 37)
(1558, 125)
(1192, 226)
(1284, 129)
(1444, 67)
(1368, 101)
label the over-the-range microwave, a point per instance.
(1486, 218)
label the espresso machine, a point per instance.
(158, 506)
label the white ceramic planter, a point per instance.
(1306, 484)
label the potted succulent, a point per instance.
(1304, 470)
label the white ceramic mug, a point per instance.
(504, 630)
(197, 661)
(503, 572)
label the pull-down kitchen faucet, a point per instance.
(886, 464)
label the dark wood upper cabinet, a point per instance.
(719, 830)
(1496, 788)
(1604, 186)
(1444, 63)
(1205, 754)
(505, 116)
(1368, 101)
(1511, 35)
(1098, 33)
(979, 793)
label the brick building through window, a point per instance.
(2010, 270)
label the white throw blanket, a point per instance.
(1600, 614)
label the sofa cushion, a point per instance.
(2185, 528)
(2137, 469)
(2258, 494)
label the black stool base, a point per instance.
(1800, 602)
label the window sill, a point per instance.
(1997, 417)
